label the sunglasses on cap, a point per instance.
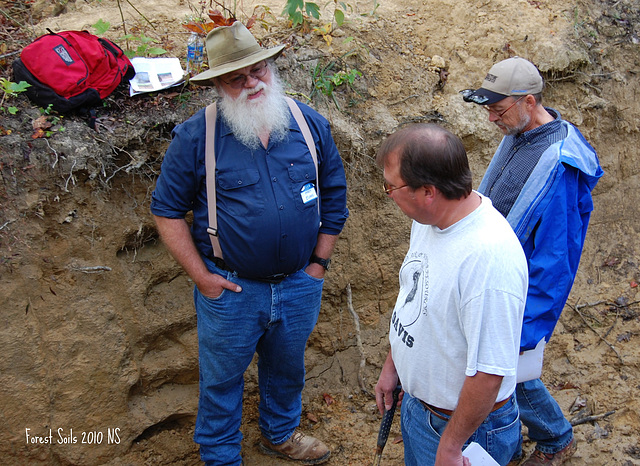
(468, 96)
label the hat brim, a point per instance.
(492, 97)
(205, 78)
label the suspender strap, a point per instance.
(306, 132)
(210, 169)
(210, 164)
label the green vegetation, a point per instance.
(326, 80)
(11, 89)
(299, 11)
(143, 44)
(144, 48)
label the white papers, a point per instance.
(155, 74)
(478, 456)
(530, 363)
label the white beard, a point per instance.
(248, 119)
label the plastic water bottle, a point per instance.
(195, 53)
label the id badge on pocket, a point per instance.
(308, 193)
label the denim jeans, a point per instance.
(274, 320)
(499, 434)
(543, 417)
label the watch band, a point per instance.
(319, 260)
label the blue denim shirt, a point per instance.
(265, 227)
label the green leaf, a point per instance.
(339, 17)
(312, 9)
(13, 89)
(291, 7)
(144, 39)
(101, 27)
(156, 51)
(12, 110)
(296, 18)
(20, 87)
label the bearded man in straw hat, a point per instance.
(279, 214)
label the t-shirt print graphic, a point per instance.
(414, 289)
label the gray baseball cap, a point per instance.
(511, 77)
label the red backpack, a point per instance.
(71, 70)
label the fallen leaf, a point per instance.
(312, 417)
(39, 133)
(219, 19)
(41, 123)
(328, 398)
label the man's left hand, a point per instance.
(315, 270)
(447, 457)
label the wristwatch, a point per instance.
(319, 260)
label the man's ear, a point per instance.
(425, 193)
(429, 191)
(530, 101)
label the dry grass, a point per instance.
(16, 31)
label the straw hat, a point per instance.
(230, 48)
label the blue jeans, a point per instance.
(499, 433)
(274, 320)
(543, 417)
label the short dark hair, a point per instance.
(429, 154)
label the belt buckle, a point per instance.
(277, 278)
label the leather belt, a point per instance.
(221, 264)
(272, 279)
(438, 412)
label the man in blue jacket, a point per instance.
(278, 219)
(540, 179)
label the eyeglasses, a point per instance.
(388, 189)
(467, 96)
(499, 115)
(238, 81)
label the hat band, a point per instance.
(235, 56)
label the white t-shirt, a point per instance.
(460, 307)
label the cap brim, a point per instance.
(492, 97)
(205, 78)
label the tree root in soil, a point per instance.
(356, 322)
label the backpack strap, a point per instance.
(210, 164)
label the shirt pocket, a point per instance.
(300, 175)
(240, 192)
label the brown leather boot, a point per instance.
(299, 447)
(552, 459)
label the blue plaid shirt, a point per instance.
(517, 159)
(542, 182)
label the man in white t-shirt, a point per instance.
(455, 328)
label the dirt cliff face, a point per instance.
(98, 328)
